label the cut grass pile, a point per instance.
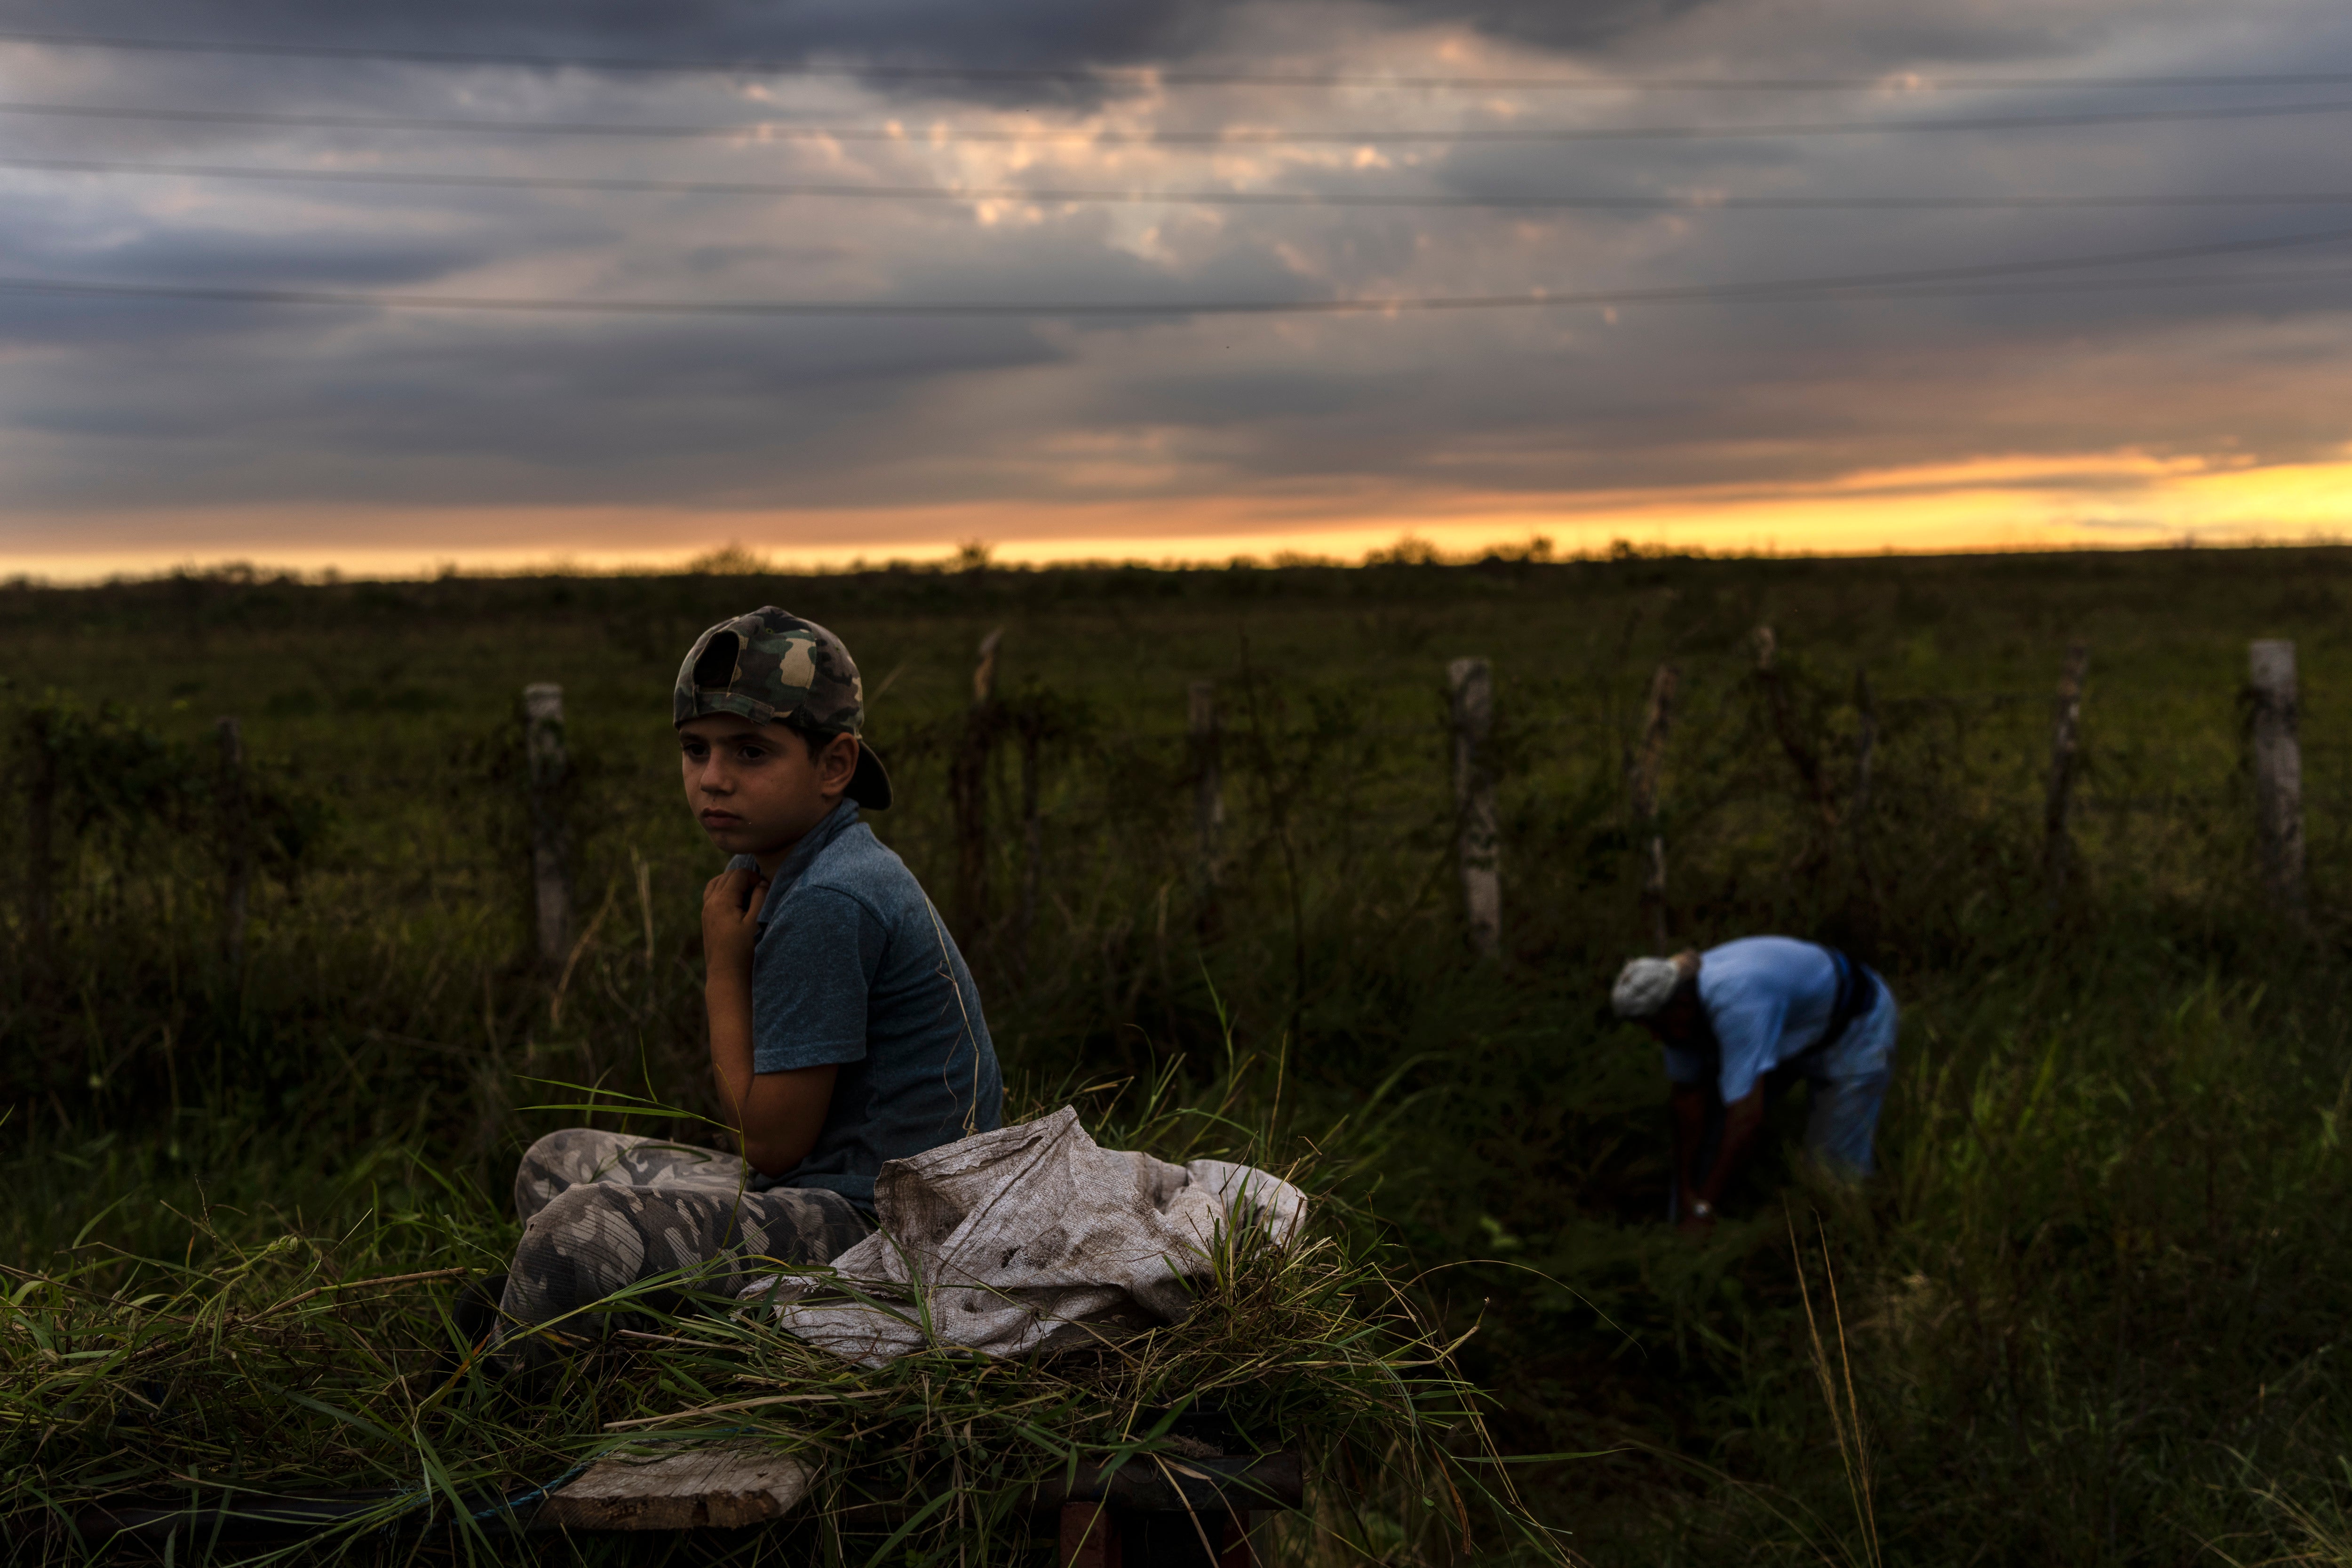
(273, 1360)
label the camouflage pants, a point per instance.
(602, 1211)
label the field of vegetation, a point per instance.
(2087, 1313)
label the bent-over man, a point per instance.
(1740, 1023)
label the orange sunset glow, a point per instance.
(2104, 500)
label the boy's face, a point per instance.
(755, 787)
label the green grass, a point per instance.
(250, 1353)
(2089, 1308)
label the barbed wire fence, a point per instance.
(1081, 848)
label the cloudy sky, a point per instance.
(1821, 274)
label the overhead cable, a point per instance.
(1150, 76)
(2044, 285)
(1783, 291)
(1223, 137)
(1703, 201)
(2029, 288)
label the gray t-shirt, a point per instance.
(854, 967)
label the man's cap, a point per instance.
(1643, 986)
(773, 668)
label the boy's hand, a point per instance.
(731, 920)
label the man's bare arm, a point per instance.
(1741, 1118)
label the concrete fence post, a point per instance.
(1865, 749)
(543, 749)
(236, 843)
(1642, 776)
(2278, 772)
(1477, 831)
(968, 796)
(2065, 763)
(1205, 741)
(1031, 730)
(40, 845)
(1787, 726)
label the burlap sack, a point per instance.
(1027, 1240)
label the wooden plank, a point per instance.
(1240, 1548)
(724, 1486)
(1168, 1484)
(1089, 1536)
(1237, 1484)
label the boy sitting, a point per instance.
(844, 1028)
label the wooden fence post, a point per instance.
(2065, 762)
(968, 796)
(1034, 721)
(40, 845)
(1648, 763)
(237, 843)
(1476, 846)
(1205, 742)
(1865, 744)
(2278, 772)
(543, 747)
(1801, 755)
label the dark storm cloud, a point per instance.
(1551, 23)
(1004, 34)
(1012, 35)
(156, 404)
(432, 410)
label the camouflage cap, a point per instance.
(773, 668)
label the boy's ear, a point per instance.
(837, 763)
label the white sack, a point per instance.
(1018, 1240)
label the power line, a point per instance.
(1112, 76)
(2106, 285)
(1221, 138)
(1896, 284)
(1098, 195)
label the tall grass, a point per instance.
(2087, 1305)
(273, 1357)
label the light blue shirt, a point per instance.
(854, 968)
(1769, 999)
